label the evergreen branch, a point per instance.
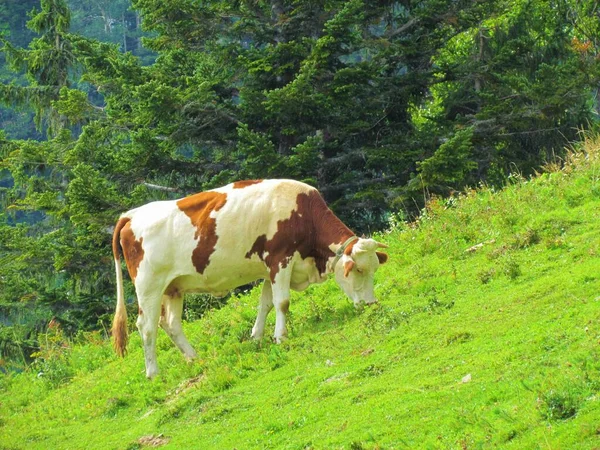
(336, 160)
(358, 183)
(407, 26)
(160, 188)
(518, 133)
(12, 95)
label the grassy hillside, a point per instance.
(487, 335)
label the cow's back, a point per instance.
(207, 239)
(257, 209)
(256, 214)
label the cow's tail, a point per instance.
(119, 326)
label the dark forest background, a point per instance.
(109, 104)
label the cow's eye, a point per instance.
(359, 270)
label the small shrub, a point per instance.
(318, 311)
(378, 318)
(574, 199)
(511, 269)
(556, 243)
(372, 370)
(509, 221)
(430, 245)
(15, 345)
(357, 400)
(497, 252)
(510, 435)
(53, 360)
(458, 338)
(435, 306)
(244, 333)
(485, 276)
(560, 404)
(172, 413)
(215, 414)
(114, 404)
(526, 239)
(274, 428)
(396, 222)
(277, 357)
(221, 379)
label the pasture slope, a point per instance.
(487, 335)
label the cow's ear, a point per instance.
(382, 257)
(348, 265)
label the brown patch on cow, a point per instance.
(285, 306)
(310, 230)
(198, 208)
(132, 250)
(245, 183)
(140, 312)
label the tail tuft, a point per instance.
(119, 332)
(119, 327)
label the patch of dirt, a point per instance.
(153, 440)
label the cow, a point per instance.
(279, 231)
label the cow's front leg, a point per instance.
(266, 304)
(281, 301)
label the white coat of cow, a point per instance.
(280, 231)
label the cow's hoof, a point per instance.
(280, 339)
(151, 373)
(256, 336)
(190, 357)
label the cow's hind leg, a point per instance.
(170, 321)
(266, 304)
(147, 323)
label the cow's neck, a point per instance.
(330, 234)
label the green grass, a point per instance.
(492, 348)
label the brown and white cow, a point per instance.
(277, 230)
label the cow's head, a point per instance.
(355, 272)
